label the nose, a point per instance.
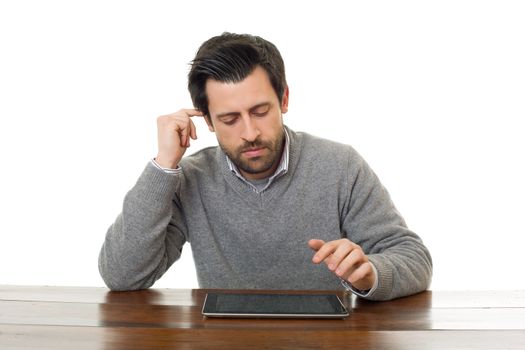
(250, 130)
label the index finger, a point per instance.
(315, 244)
(324, 251)
(193, 113)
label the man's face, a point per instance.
(247, 120)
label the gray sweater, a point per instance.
(246, 240)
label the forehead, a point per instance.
(243, 95)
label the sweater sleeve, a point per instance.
(370, 219)
(147, 237)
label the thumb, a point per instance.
(315, 244)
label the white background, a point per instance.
(432, 94)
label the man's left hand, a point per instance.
(346, 259)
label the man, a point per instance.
(269, 205)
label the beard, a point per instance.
(261, 164)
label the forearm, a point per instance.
(403, 263)
(402, 270)
(135, 252)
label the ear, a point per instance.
(284, 104)
(207, 118)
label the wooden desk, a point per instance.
(94, 318)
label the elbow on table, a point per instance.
(120, 284)
(121, 281)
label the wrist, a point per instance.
(165, 163)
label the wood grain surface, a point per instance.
(33, 317)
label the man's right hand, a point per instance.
(174, 132)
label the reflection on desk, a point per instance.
(94, 318)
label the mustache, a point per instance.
(257, 143)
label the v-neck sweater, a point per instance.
(242, 239)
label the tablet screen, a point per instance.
(273, 305)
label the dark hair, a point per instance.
(230, 58)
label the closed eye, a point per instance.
(229, 120)
(260, 110)
(260, 114)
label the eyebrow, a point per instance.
(259, 105)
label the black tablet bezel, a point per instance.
(209, 308)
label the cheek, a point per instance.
(274, 125)
(225, 137)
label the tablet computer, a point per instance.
(261, 305)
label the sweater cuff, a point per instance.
(156, 186)
(175, 171)
(362, 293)
(385, 281)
